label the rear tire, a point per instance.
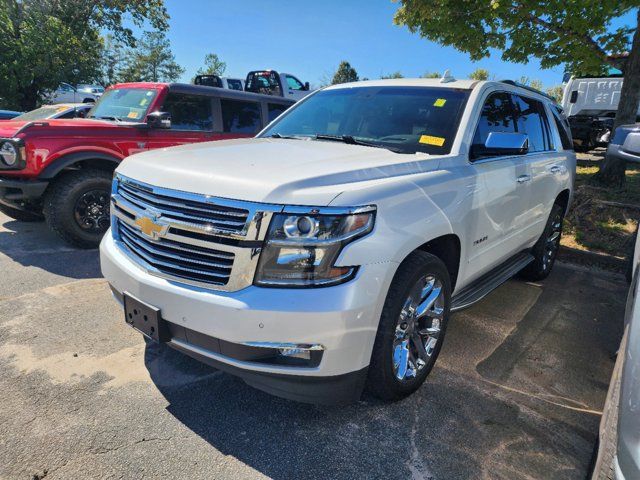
(76, 207)
(416, 311)
(21, 215)
(546, 248)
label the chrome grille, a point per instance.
(199, 213)
(171, 258)
(189, 238)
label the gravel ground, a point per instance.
(516, 393)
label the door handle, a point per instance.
(523, 178)
(555, 169)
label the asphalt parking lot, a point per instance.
(515, 394)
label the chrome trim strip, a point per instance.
(307, 347)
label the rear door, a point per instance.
(240, 118)
(501, 193)
(192, 120)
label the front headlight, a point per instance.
(9, 154)
(301, 249)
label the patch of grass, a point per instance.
(593, 225)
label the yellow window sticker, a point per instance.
(132, 115)
(143, 102)
(429, 140)
(440, 102)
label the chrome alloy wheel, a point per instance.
(552, 242)
(418, 328)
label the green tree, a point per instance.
(151, 60)
(556, 92)
(577, 33)
(392, 75)
(345, 73)
(479, 74)
(432, 75)
(46, 42)
(113, 57)
(212, 65)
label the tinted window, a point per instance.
(496, 116)
(275, 110)
(563, 129)
(234, 84)
(240, 117)
(531, 120)
(404, 119)
(189, 112)
(294, 84)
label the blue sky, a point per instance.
(309, 39)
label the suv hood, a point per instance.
(9, 128)
(281, 171)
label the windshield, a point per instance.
(403, 119)
(126, 104)
(48, 111)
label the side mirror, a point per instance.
(160, 120)
(502, 143)
(306, 86)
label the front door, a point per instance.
(192, 121)
(294, 88)
(501, 194)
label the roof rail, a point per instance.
(527, 87)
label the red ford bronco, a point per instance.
(60, 170)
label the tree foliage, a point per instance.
(392, 75)
(345, 73)
(575, 33)
(46, 42)
(556, 92)
(578, 34)
(479, 74)
(431, 75)
(212, 65)
(151, 60)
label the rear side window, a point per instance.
(240, 117)
(563, 129)
(275, 109)
(497, 116)
(189, 112)
(234, 84)
(531, 120)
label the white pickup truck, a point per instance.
(326, 255)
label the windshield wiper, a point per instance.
(290, 137)
(351, 140)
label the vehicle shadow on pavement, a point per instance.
(472, 418)
(34, 245)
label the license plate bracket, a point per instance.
(146, 319)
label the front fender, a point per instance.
(59, 164)
(406, 219)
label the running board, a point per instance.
(480, 288)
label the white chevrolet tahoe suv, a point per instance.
(326, 255)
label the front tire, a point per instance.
(546, 248)
(76, 207)
(21, 215)
(412, 327)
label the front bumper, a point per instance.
(343, 319)
(20, 190)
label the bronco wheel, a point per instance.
(21, 215)
(546, 248)
(77, 207)
(412, 327)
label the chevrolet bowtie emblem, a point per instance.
(150, 227)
